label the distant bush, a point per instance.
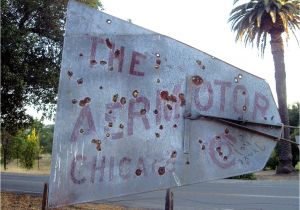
(297, 166)
(273, 160)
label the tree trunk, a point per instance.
(285, 149)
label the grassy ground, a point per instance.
(29, 202)
(42, 168)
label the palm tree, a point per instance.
(253, 22)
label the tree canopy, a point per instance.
(254, 20)
(32, 39)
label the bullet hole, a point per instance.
(203, 67)
(218, 137)
(169, 107)
(80, 81)
(110, 124)
(108, 43)
(93, 62)
(187, 162)
(156, 66)
(97, 142)
(197, 80)
(158, 61)
(123, 100)
(102, 62)
(236, 80)
(218, 149)
(244, 92)
(74, 101)
(108, 21)
(244, 108)
(198, 62)
(265, 118)
(157, 55)
(155, 111)
(80, 54)
(121, 126)
(143, 111)
(161, 127)
(174, 154)
(158, 80)
(203, 147)
(225, 158)
(272, 117)
(182, 99)
(157, 135)
(138, 172)
(220, 153)
(111, 68)
(115, 98)
(200, 141)
(117, 53)
(161, 171)
(100, 87)
(135, 93)
(164, 95)
(226, 130)
(108, 135)
(70, 74)
(85, 101)
(81, 130)
(110, 112)
(175, 126)
(173, 98)
(240, 76)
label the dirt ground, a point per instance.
(13, 201)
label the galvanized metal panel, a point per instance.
(124, 95)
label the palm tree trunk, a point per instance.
(285, 149)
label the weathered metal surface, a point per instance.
(125, 95)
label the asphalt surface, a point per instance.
(226, 194)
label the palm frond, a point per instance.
(253, 21)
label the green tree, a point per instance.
(29, 149)
(253, 22)
(46, 138)
(31, 46)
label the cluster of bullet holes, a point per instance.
(219, 151)
(84, 101)
(200, 64)
(116, 97)
(202, 144)
(239, 77)
(97, 142)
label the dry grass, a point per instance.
(44, 166)
(28, 202)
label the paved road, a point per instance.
(217, 195)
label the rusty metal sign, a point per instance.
(139, 111)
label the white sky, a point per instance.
(203, 25)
